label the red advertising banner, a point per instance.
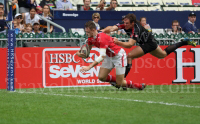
(59, 67)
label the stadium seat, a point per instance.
(186, 8)
(95, 2)
(195, 2)
(139, 8)
(170, 2)
(93, 7)
(170, 9)
(75, 2)
(80, 31)
(107, 2)
(124, 2)
(158, 31)
(196, 8)
(38, 1)
(140, 2)
(184, 2)
(155, 2)
(124, 9)
(154, 8)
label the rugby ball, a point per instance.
(85, 50)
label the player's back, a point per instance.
(103, 40)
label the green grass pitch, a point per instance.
(166, 104)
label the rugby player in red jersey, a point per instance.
(113, 56)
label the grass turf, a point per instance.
(174, 104)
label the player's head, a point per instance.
(90, 28)
(129, 21)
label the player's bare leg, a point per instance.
(135, 53)
(128, 83)
(159, 53)
(104, 73)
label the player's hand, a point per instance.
(82, 55)
(116, 41)
(84, 69)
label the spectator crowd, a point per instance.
(28, 21)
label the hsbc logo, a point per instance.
(59, 63)
(180, 65)
(68, 58)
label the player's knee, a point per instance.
(101, 78)
(162, 56)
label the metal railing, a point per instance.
(50, 22)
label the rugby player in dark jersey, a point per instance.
(147, 42)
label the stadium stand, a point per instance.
(140, 2)
(196, 8)
(139, 8)
(94, 2)
(154, 8)
(124, 2)
(170, 2)
(155, 2)
(124, 9)
(107, 2)
(170, 9)
(184, 2)
(80, 2)
(185, 8)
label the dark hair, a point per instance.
(90, 25)
(84, 1)
(142, 18)
(32, 8)
(1, 3)
(175, 21)
(131, 17)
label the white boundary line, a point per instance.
(118, 99)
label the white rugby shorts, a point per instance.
(119, 62)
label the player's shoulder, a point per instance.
(102, 34)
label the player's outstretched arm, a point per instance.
(96, 62)
(110, 29)
(128, 44)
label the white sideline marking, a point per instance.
(119, 99)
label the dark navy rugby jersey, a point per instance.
(138, 33)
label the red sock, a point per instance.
(111, 78)
(130, 84)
